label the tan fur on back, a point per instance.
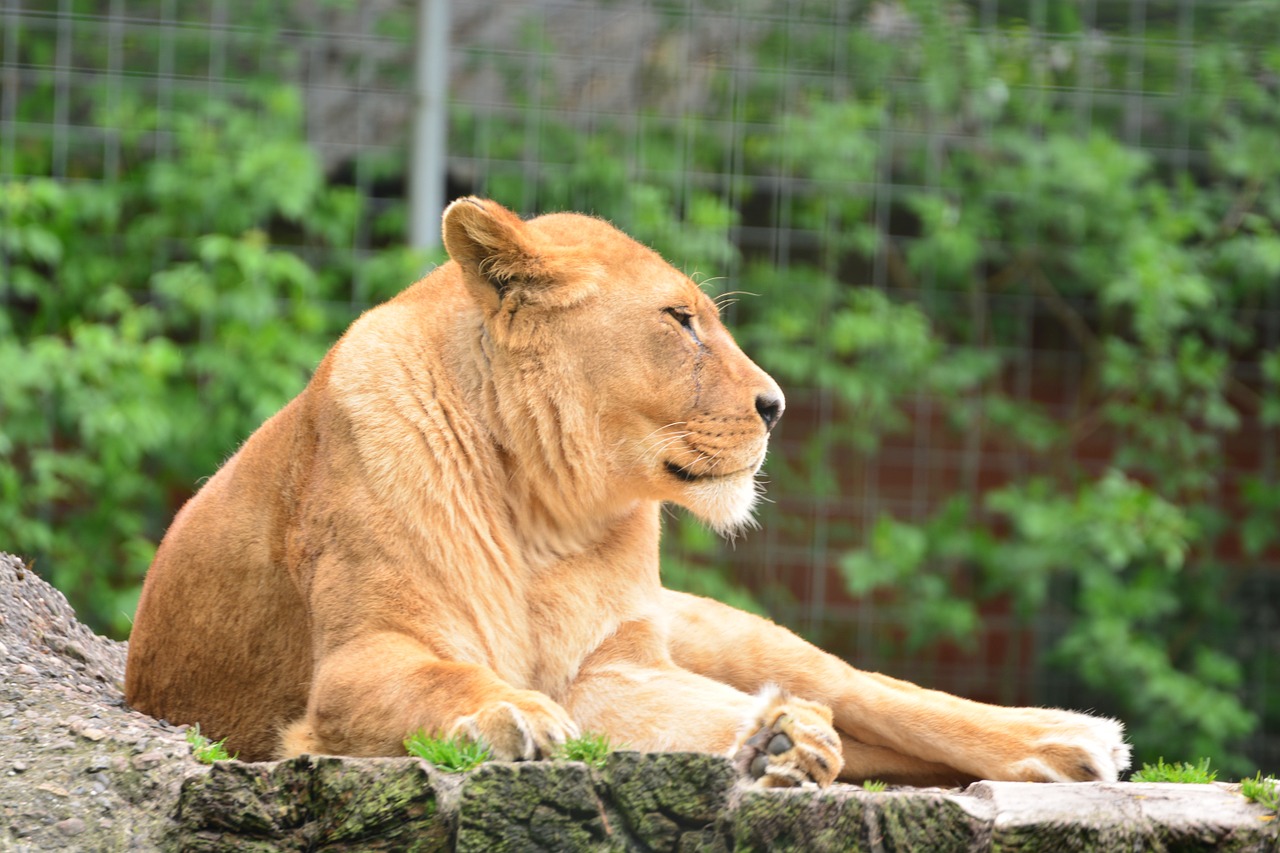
(455, 528)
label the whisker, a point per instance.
(658, 452)
(720, 297)
(667, 426)
(663, 445)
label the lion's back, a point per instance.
(220, 636)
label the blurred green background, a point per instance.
(1016, 265)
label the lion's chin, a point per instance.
(724, 504)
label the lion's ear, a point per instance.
(494, 248)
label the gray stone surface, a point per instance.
(1099, 816)
(80, 771)
(615, 59)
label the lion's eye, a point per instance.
(683, 316)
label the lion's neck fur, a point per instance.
(489, 489)
(475, 428)
(548, 445)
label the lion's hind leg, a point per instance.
(894, 728)
(629, 690)
(866, 763)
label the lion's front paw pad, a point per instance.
(765, 744)
(791, 742)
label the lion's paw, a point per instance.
(1065, 746)
(526, 727)
(788, 742)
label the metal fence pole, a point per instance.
(431, 90)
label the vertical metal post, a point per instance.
(431, 91)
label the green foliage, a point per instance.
(450, 754)
(900, 555)
(591, 748)
(1263, 790)
(875, 786)
(147, 326)
(1181, 772)
(695, 569)
(1152, 273)
(207, 751)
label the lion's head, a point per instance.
(612, 371)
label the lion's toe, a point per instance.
(532, 728)
(1076, 748)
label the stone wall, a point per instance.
(80, 771)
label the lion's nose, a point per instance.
(770, 406)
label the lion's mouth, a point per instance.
(683, 474)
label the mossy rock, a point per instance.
(533, 806)
(848, 819)
(649, 802)
(304, 803)
(661, 797)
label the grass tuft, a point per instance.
(207, 751)
(1182, 771)
(1263, 790)
(875, 786)
(450, 754)
(590, 748)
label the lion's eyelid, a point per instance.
(684, 316)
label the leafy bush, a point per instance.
(148, 325)
(1153, 273)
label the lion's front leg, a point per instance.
(629, 690)
(787, 741)
(892, 728)
(369, 695)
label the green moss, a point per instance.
(662, 796)
(591, 748)
(792, 820)
(450, 754)
(387, 800)
(1179, 771)
(530, 806)
(353, 804)
(207, 751)
(1263, 790)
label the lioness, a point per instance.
(454, 527)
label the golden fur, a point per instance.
(455, 526)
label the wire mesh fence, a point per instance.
(715, 110)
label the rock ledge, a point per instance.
(80, 771)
